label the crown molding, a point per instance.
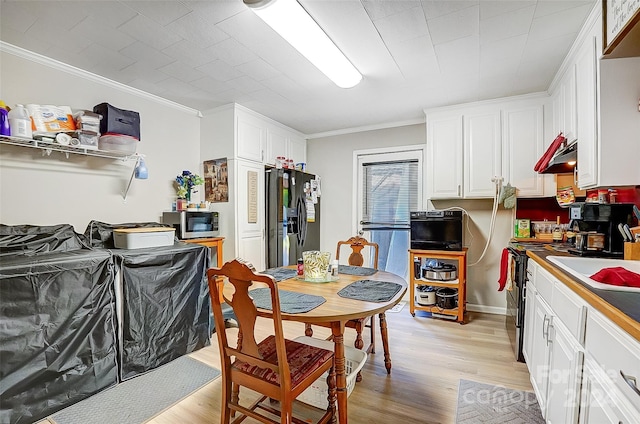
(81, 73)
(416, 121)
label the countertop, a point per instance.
(623, 308)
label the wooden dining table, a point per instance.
(334, 313)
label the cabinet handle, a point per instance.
(458, 189)
(575, 175)
(631, 381)
(545, 329)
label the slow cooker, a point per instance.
(447, 298)
(425, 295)
(440, 272)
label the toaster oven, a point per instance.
(193, 224)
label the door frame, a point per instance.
(383, 154)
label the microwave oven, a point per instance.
(192, 224)
(436, 230)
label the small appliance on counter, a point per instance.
(425, 295)
(598, 228)
(192, 224)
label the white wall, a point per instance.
(52, 190)
(332, 159)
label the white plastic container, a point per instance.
(20, 122)
(139, 238)
(118, 143)
(316, 394)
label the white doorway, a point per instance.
(388, 186)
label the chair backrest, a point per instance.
(358, 243)
(242, 275)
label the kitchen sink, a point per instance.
(583, 268)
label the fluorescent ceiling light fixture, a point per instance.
(289, 19)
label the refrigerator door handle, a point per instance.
(302, 221)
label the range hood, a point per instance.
(564, 160)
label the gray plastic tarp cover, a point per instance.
(166, 304)
(57, 328)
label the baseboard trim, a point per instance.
(497, 310)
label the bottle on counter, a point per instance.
(20, 122)
(557, 231)
(300, 270)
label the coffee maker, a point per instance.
(601, 218)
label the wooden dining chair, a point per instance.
(356, 258)
(277, 368)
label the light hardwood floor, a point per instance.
(429, 357)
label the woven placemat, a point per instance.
(356, 270)
(280, 273)
(290, 302)
(370, 290)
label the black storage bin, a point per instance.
(118, 121)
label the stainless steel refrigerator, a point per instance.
(293, 220)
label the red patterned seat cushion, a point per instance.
(303, 360)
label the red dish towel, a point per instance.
(504, 266)
(548, 155)
(617, 276)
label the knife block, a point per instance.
(632, 251)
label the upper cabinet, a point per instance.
(471, 146)
(607, 120)
(239, 133)
(621, 28)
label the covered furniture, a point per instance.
(58, 337)
(277, 368)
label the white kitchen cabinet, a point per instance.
(600, 403)
(522, 146)
(554, 331)
(482, 152)
(564, 106)
(285, 143)
(586, 113)
(565, 366)
(251, 136)
(606, 109)
(444, 156)
(529, 316)
(540, 351)
(471, 146)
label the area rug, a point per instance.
(140, 399)
(485, 403)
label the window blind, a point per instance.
(390, 192)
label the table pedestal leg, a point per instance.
(337, 330)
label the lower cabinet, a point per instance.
(600, 402)
(584, 368)
(565, 366)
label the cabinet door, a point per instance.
(250, 220)
(557, 106)
(600, 403)
(529, 318)
(444, 156)
(523, 145)
(482, 151)
(251, 135)
(542, 321)
(564, 376)
(569, 105)
(298, 149)
(586, 73)
(277, 145)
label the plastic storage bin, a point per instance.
(118, 143)
(316, 394)
(139, 238)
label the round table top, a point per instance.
(336, 308)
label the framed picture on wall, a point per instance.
(216, 180)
